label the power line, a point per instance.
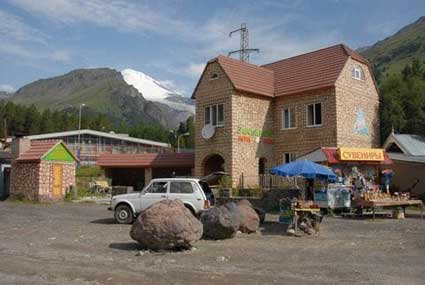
(244, 50)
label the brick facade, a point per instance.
(34, 180)
(354, 96)
(213, 91)
(253, 113)
(349, 108)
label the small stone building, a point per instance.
(408, 154)
(41, 170)
(251, 117)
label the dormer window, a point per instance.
(214, 76)
(358, 73)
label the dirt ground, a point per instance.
(80, 244)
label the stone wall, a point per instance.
(303, 139)
(354, 97)
(209, 92)
(46, 179)
(253, 113)
(24, 180)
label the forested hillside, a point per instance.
(403, 100)
(24, 120)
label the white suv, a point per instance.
(195, 194)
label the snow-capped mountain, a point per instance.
(153, 90)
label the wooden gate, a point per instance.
(57, 181)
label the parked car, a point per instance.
(195, 194)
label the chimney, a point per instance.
(19, 146)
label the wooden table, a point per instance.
(382, 204)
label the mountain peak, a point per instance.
(154, 90)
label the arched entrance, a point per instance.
(213, 163)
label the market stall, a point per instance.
(363, 175)
(302, 212)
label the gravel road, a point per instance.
(80, 244)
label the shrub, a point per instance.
(90, 171)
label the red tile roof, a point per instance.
(248, 77)
(155, 160)
(245, 77)
(314, 70)
(37, 150)
(332, 157)
(310, 71)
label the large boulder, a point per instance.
(250, 221)
(168, 225)
(221, 222)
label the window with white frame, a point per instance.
(288, 118)
(288, 157)
(357, 73)
(214, 115)
(314, 115)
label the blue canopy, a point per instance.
(304, 168)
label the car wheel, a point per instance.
(124, 214)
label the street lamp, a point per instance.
(79, 130)
(178, 140)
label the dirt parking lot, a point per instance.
(80, 244)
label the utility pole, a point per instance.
(79, 131)
(244, 49)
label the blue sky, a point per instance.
(172, 40)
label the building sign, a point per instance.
(255, 132)
(361, 154)
(246, 134)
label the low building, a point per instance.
(41, 170)
(137, 170)
(93, 143)
(250, 117)
(5, 158)
(408, 153)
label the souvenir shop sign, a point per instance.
(360, 154)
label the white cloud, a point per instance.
(6, 87)
(194, 69)
(13, 28)
(117, 14)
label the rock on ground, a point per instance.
(250, 221)
(167, 225)
(221, 222)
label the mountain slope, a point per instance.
(393, 53)
(103, 90)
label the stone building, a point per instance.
(41, 170)
(250, 117)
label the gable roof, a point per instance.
(245, 77)
(314, 70)
(147, 160)
(413, 145)
(310, 71)
(39, 149)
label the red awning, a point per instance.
(331, 154)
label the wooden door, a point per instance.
(57, 181)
